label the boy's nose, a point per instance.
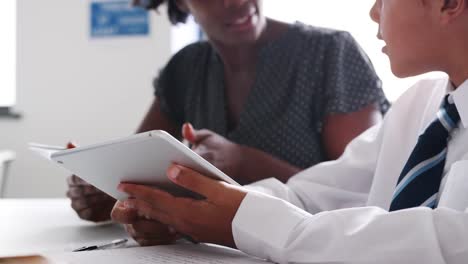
(375, 12)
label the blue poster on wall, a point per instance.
(118, 18)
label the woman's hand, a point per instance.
(89, 202)
(146, 232)
(206, 220)
(222, 153)
(244, 164)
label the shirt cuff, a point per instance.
(259, 230)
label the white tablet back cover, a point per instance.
(142, 158)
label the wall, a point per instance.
(71, 87)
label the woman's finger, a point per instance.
(82, 191)
(194, 136)
(207, 155)
(75, 180)
(90, 201)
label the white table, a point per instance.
(33, 226)
(50, 228)
(6, 157)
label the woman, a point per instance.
(274, 97)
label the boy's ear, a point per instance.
(451, 9)
(182, 5)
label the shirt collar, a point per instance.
(460, 98)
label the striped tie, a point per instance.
(419, 182)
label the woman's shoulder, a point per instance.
(193, 52)
(321, 35)
(185, 63)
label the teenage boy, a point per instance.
(385, 199)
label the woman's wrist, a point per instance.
(254, 165)
(245, 158)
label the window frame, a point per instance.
(7, 112)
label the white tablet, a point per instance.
(142, 158)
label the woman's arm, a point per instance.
(258, 165)
(339, 129)
(155, 119)
(248, 165)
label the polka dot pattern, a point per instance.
(303, 76)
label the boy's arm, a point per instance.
(332, 185)
(356, 235)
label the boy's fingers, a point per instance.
(146, 208)
(193, 181)
(159, 199)
(123, 215)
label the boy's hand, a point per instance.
(222, 153)
(206, 220)
(146, 232)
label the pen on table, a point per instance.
(113, 243)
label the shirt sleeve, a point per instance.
(321, 216)
(357, 235)
(351, 82)
(332, 185)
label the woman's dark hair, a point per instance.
(175, 14)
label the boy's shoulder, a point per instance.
(425, 87)
(427, 91)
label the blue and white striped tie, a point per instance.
(420, 179)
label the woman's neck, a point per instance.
(237, 58)
(243, 57)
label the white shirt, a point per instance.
(310, 222)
